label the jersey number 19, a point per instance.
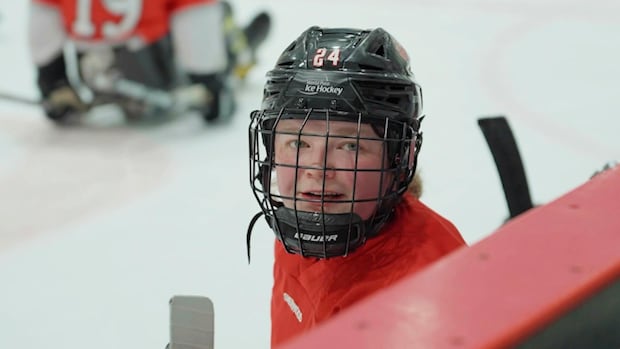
(129, 11)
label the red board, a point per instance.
(499, 291)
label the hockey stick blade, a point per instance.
(19, 99)
(191, 323)
(501, 142)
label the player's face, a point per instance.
(326, 181)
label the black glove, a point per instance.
(222, 104)
(60, 102)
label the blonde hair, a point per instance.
(415, 187)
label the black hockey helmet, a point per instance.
(360, 76)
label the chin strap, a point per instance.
(249, 233)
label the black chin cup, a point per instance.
(312, 234)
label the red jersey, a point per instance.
(116, 21)
(308, 291)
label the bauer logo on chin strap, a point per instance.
(316, 238)
(315, 227)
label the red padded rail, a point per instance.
(499, 291)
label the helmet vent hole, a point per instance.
(380, 51)
(369, 67)
(285, 64)
(393, 100)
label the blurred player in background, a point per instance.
(148, 56)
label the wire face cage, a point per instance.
(328, 180)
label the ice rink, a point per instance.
(100, 225)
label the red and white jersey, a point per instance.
(118, 20)
(196, 27)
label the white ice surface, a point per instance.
(100, 226)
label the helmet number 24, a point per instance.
(333, 56)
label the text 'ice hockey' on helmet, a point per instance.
(335, 75)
